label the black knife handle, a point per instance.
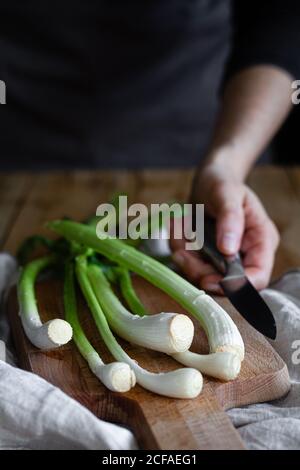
(222, 263)
(210, 247)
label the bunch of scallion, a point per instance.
(93, 265)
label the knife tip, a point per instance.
(273, 333)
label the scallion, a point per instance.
(116, 376)
(51, 334)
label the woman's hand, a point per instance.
(242, 224)
(256, 101)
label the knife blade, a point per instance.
(237, 287)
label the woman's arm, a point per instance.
(256, 102)
(257, 98)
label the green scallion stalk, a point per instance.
(51, 334)
(97, 312)
(221, 331)
(116, 376)
(128, 292)
(127, 256)
(181, 383)
(165, 332)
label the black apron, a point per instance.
(113, 83)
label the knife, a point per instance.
(236, 286)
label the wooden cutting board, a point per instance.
(158, 422)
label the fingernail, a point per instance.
(179, 259)
(229, 242)
(212, 287)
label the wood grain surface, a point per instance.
(158, 422)
(27, 201)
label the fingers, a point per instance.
(230, 227)
(210, 283)
(230, 218)
(226, 204)
(197, 270)
(259, 243)
(193, 266)
(241, 224)
(177, 226)
(259, 258)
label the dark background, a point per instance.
(126, 83)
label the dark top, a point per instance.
(128, 83)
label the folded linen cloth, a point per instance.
(36, 415)
(276, 425)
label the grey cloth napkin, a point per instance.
(276, 425)
(36, 415)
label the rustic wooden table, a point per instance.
(27, 200)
